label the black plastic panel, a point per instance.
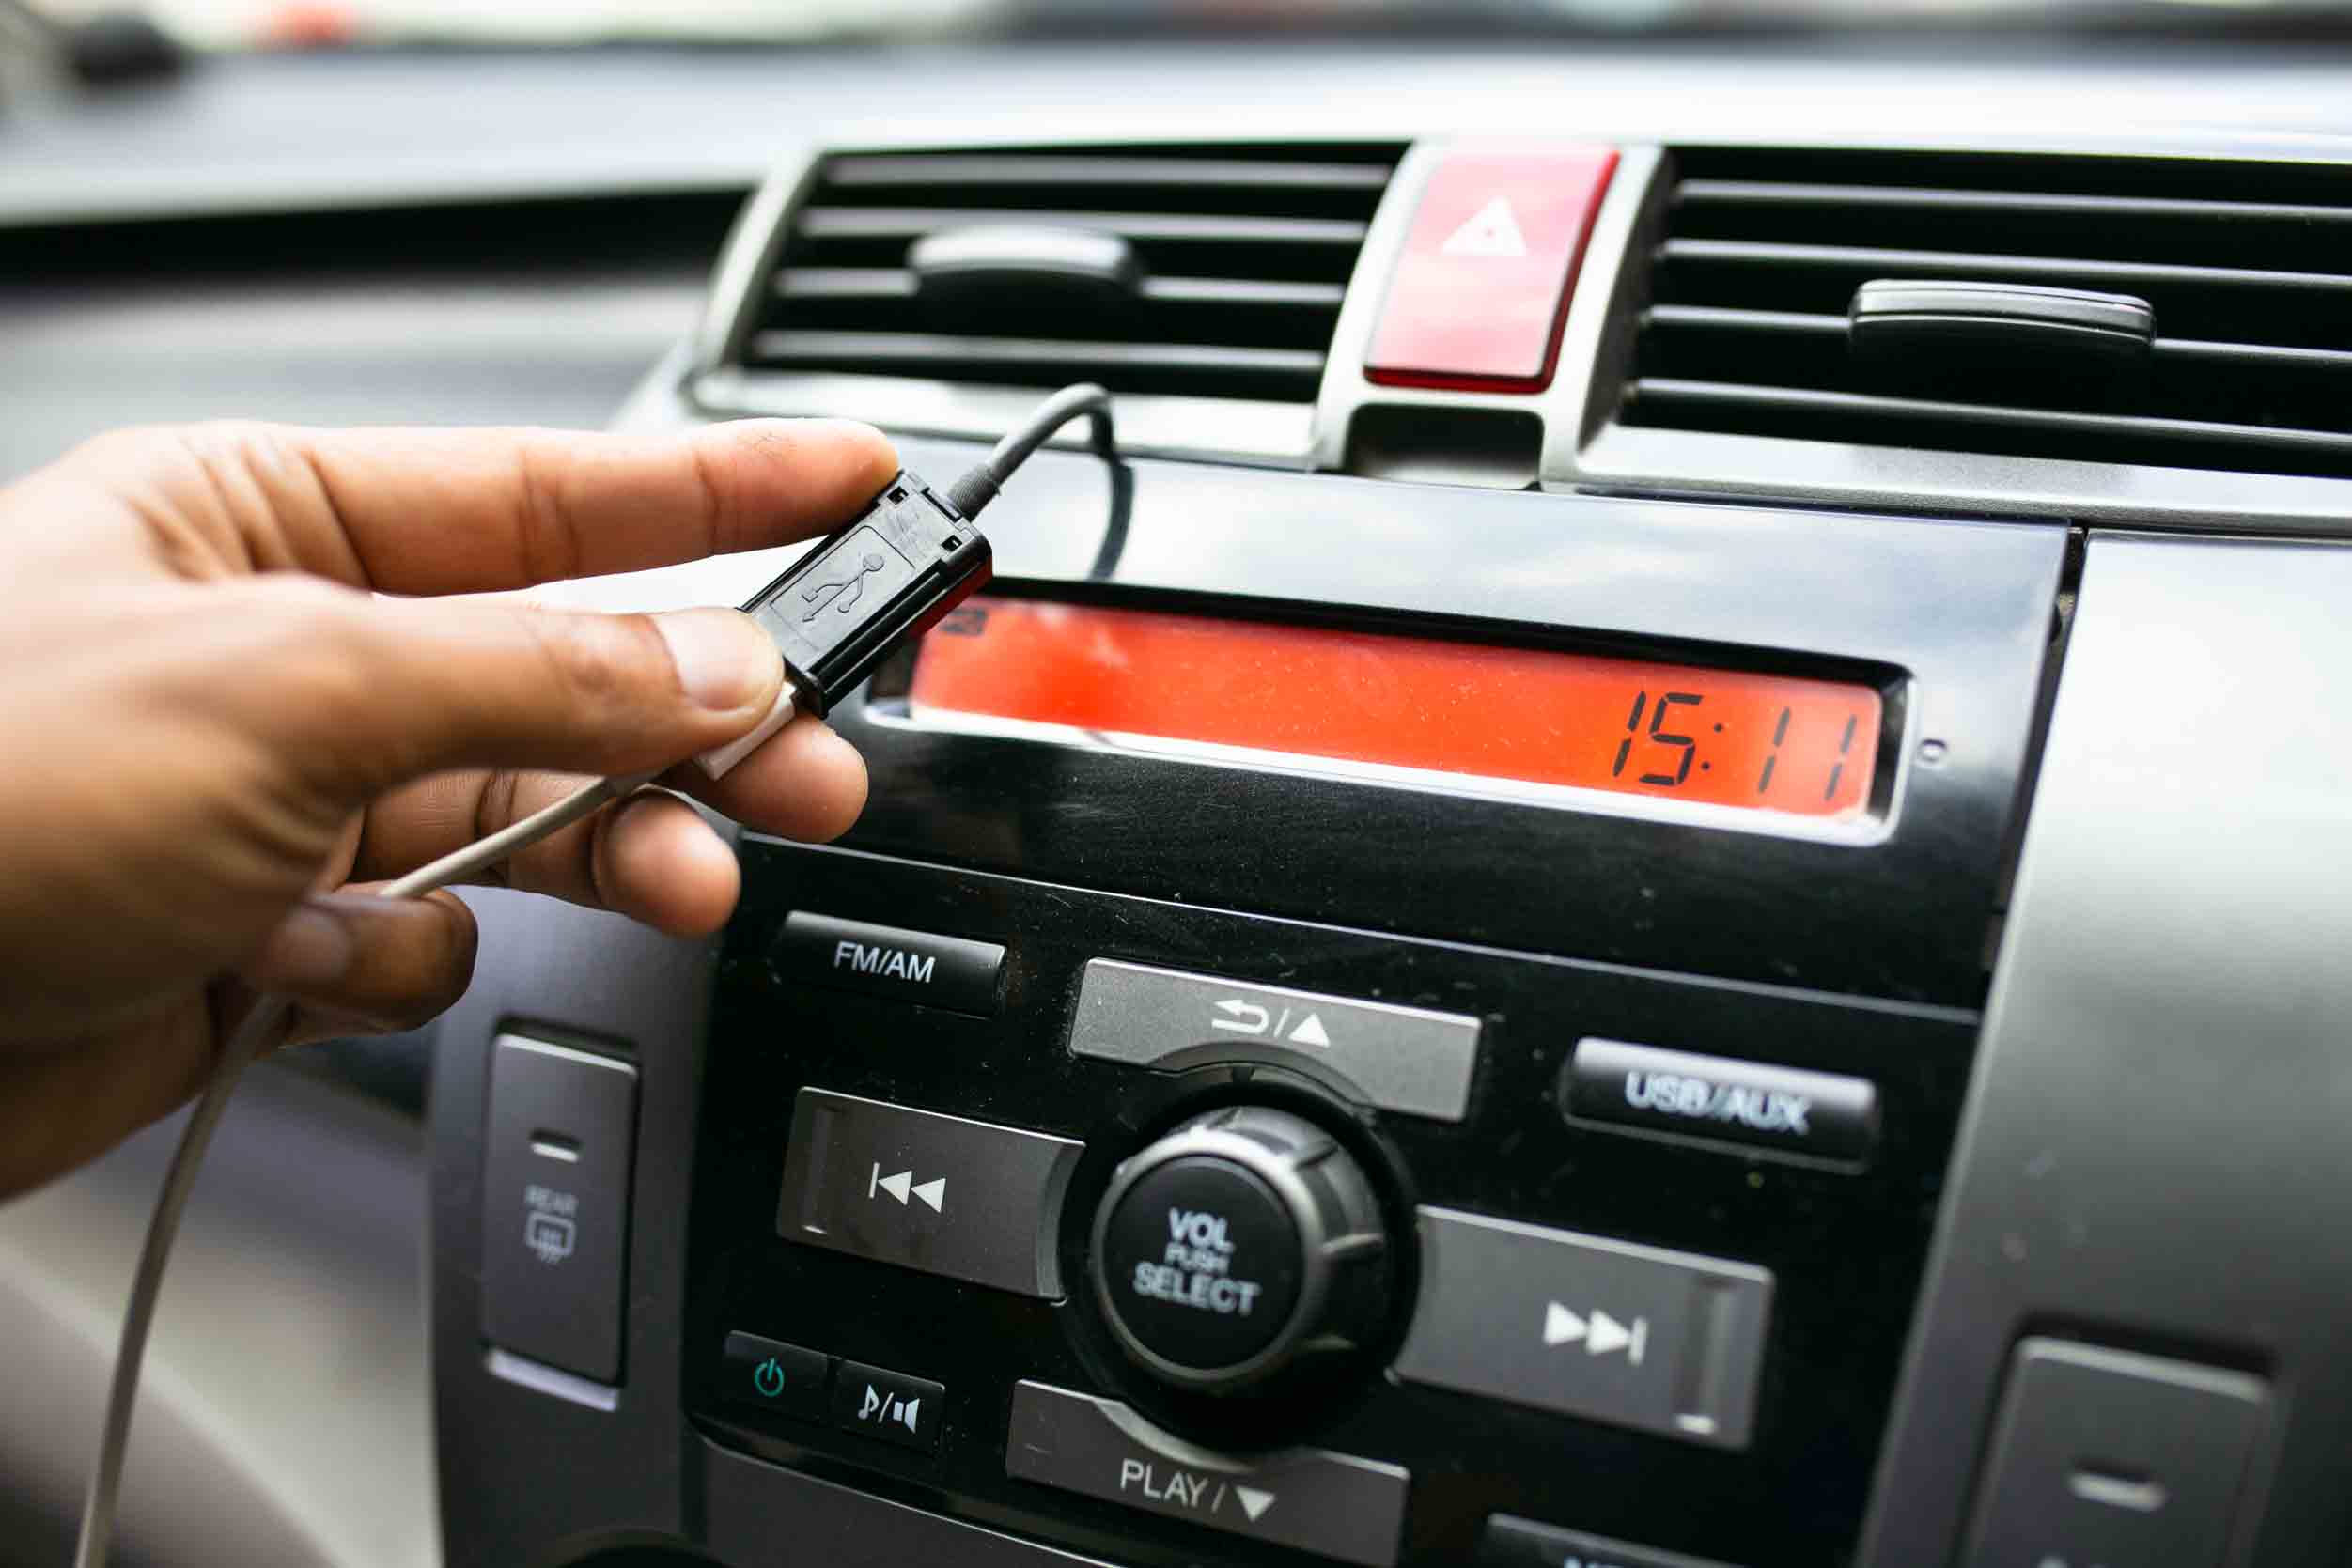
(1951, 618)
(1845, 1248)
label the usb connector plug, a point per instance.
(912, 557)
(841, 608)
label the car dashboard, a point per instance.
(1652, 880)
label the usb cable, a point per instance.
(841, 608)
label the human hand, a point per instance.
(212, 735)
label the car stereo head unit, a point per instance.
(1378, 1056)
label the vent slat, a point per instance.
(2059, 421)
(1287, 372)
(1243, 256)
(1729, 319)
(2185, 350)
(891, 283)
(984, 170)
(912, 222)
(2188, 351)
(1759, 192)
(1874, 262)
(896, 350)
(1945, 426)
(2246, 266)
(845, 283)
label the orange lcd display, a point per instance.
(1524, 714)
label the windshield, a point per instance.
(261, 23)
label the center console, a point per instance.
(1191, 1136)
(1524, 937)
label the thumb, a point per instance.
(427, 686)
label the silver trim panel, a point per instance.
(1229, 430)
(2153, 1148)
(539, 1377)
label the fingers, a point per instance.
(805, 783)
(380, 963)
(652, 857)
(421, 511)
(357, 694)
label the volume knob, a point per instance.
(1242, 1242)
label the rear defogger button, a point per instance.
(1637, 1336)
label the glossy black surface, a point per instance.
(839, 610)
(1212, 1317)
(890, 960)
(1950, 619)
(1844, 1246)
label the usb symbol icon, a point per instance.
(843, 595)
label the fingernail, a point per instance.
(310, 948)
(724, 661)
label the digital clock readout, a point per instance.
(1725, 738)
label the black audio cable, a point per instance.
(842, 608)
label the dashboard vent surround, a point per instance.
(1245, 252)
(2247, 266)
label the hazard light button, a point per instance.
(1481, 288)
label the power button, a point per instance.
(769, 1374)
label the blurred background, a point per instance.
(243, 23)
(507, 212)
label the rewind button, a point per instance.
(903, 1186)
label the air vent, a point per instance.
(1238, 258)
(2248, 266)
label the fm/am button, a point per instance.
(952, 973)
(1404, 1059)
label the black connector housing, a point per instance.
(890, 575)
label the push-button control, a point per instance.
(1332, 1504)
(890, 1405)
(951, 972)
(769, 1374)
(2108, 1459)
(1505, 228)
(1588, 1325)
(1228, 1248)
(968, 1200)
